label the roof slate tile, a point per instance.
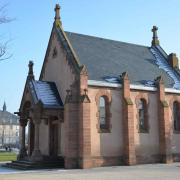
(104, 57)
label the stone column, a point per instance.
(164, 124)
(128, 123)
(22, 153)
(36, 154)
(29, 131)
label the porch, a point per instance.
(42, 112)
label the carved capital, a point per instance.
(23, 122)
(37, 118)
(37, 121)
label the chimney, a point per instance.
(173, 60)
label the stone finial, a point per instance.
(125, 76)
(57, 17)
(83, 70)
(30, 73)
(155, 41)
(125, 85)
(159, 80)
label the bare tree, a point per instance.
(4, 54)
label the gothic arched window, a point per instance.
(103, 101)
(176, 115)
(142, 114)
(102, 113)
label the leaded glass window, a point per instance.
(176, 115)
(102, 112)
(142, 112)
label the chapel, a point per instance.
(101, 102)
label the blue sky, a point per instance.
(129, 21)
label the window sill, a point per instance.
(143, 131)
(104, 131)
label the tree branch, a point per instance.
(3, 16)
(4, 51)
(3, 46)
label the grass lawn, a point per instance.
(8, 156)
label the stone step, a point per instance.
(29, 165)
(43, 162)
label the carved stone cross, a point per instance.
(155, 41)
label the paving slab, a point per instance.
(138, 172)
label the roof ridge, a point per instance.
(102, 38)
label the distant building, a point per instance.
(9, 128)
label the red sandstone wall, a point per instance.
(57, 69)
(175, 139)
(146, 144)
(106, 144)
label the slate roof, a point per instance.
(104, 57)
(46, 92)
(8, 118)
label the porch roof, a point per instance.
(46, 93)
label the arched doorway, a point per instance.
(53, 137)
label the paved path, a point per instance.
(139, 172)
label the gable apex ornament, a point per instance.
(30, 73)
(155, 40)
(57, 17)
